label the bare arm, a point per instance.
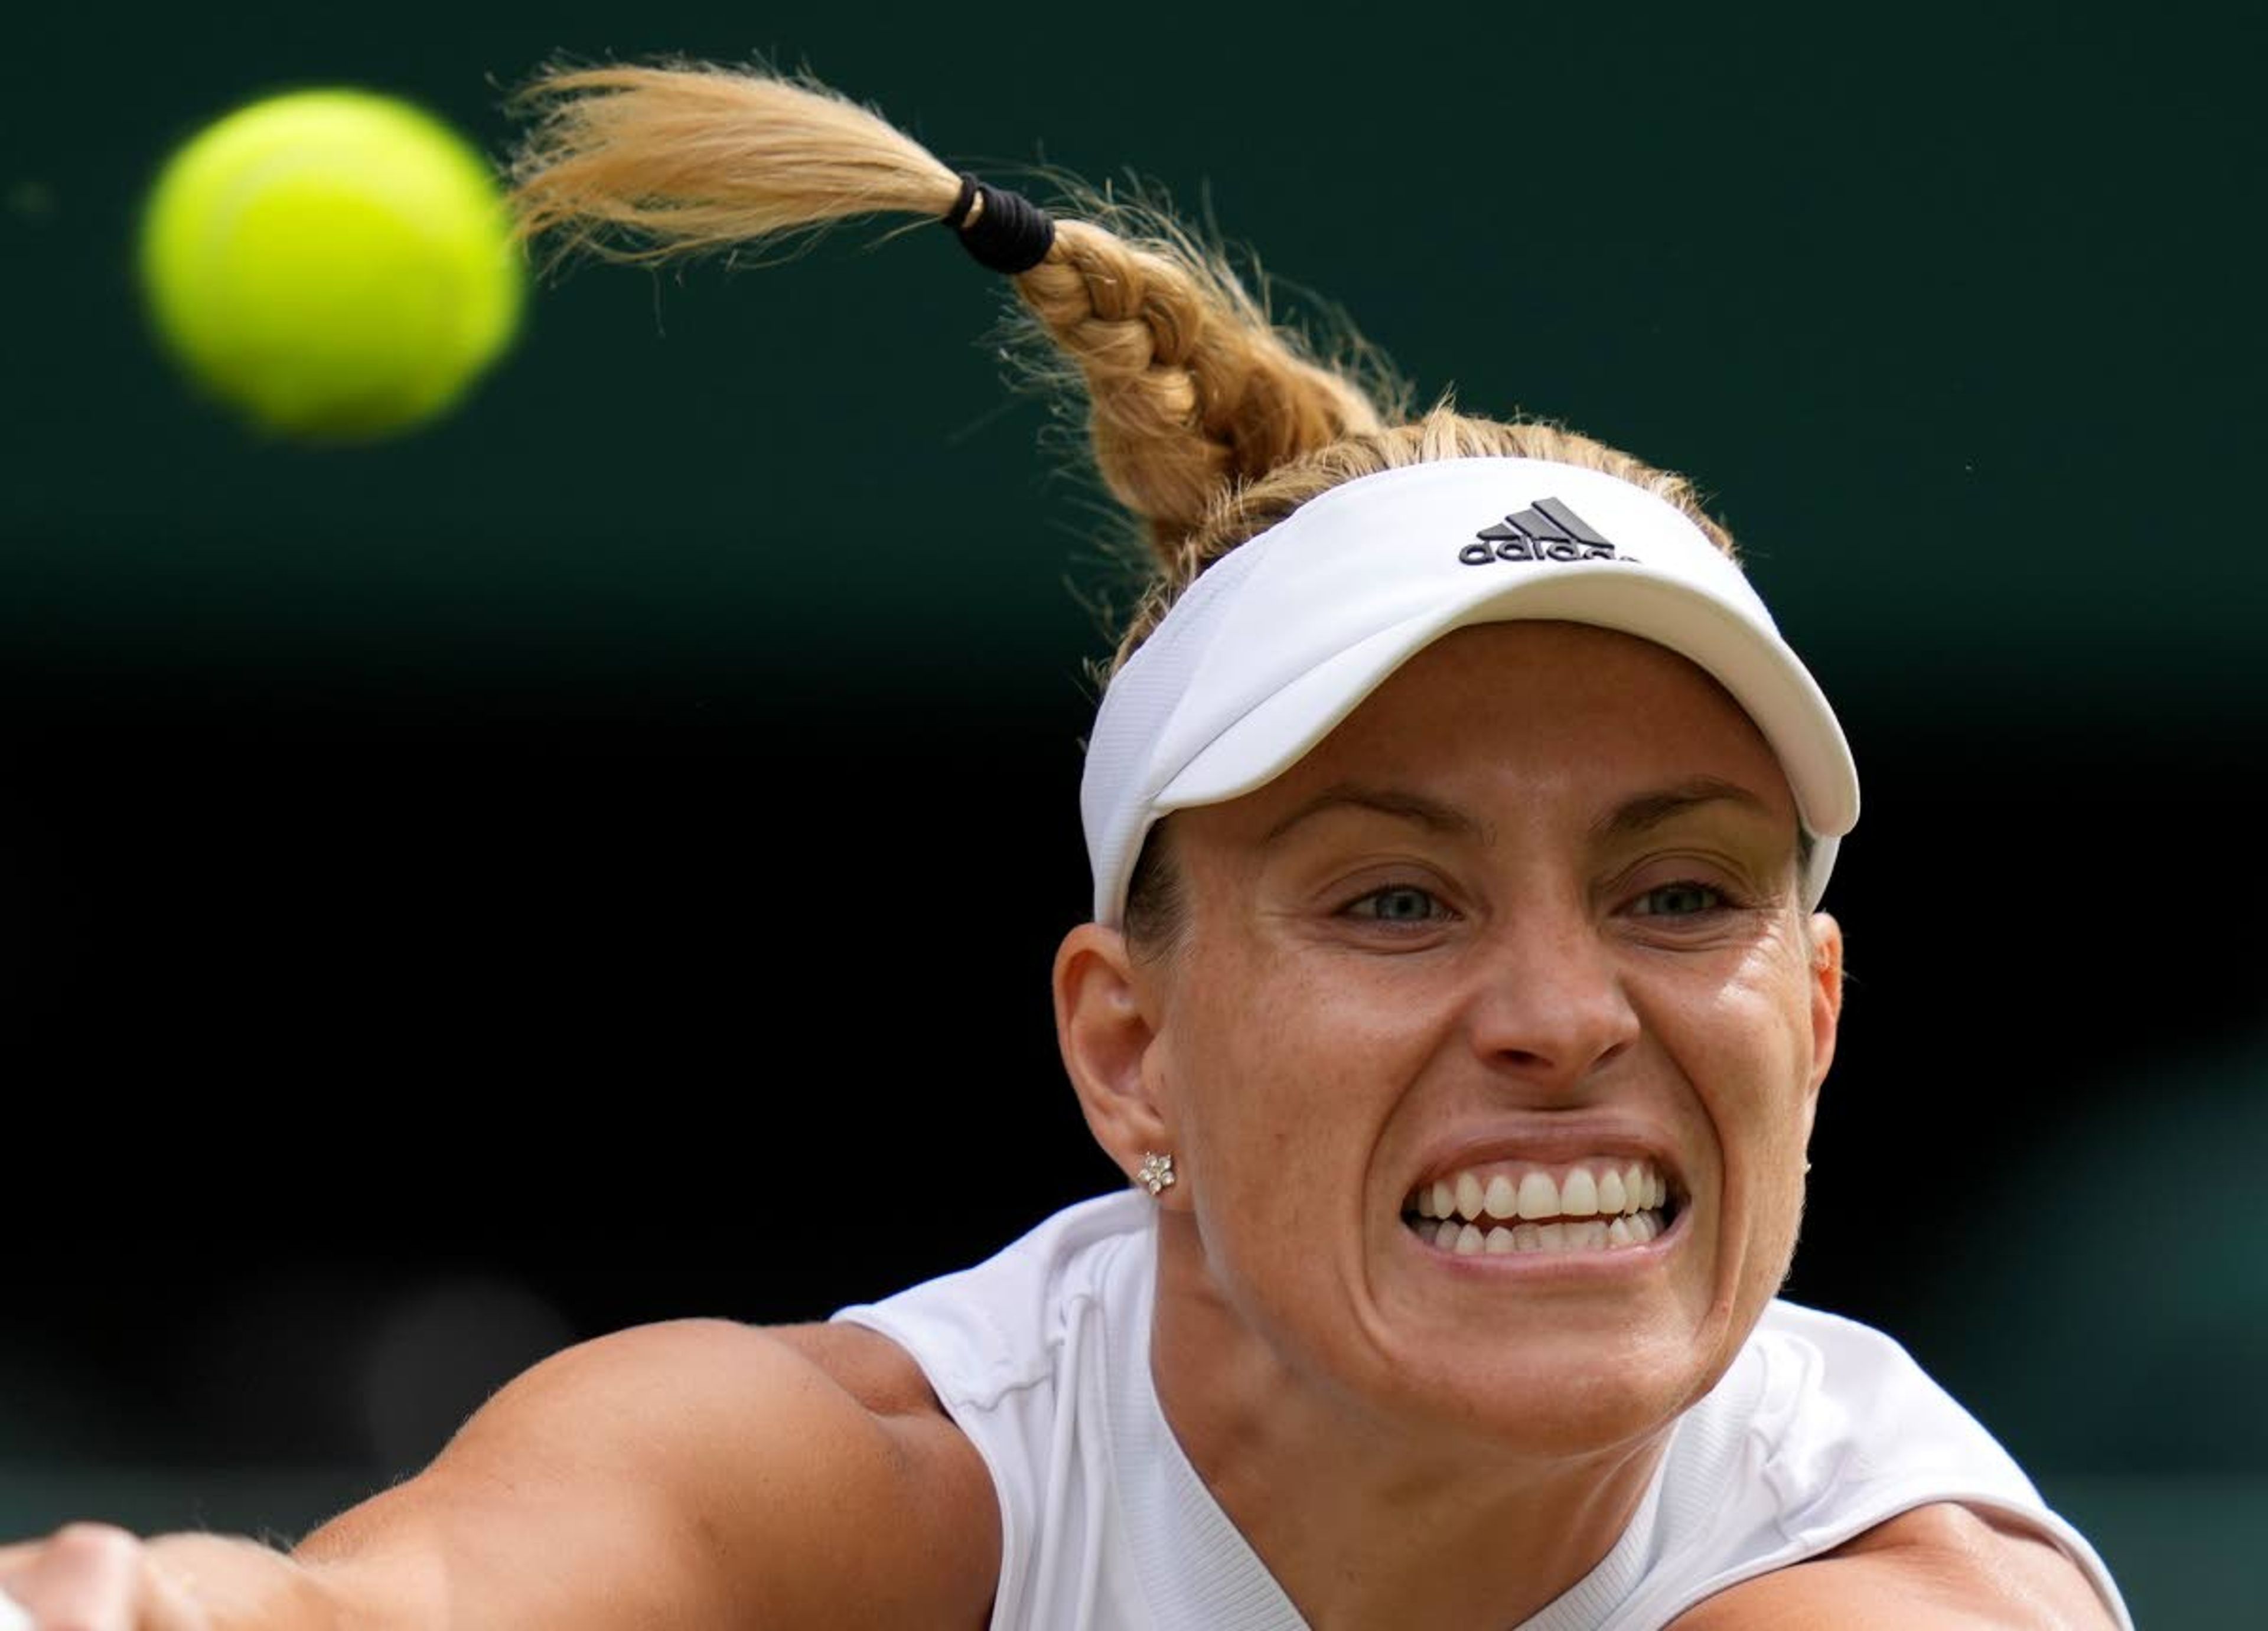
(698, 1473)
(1945, 1567)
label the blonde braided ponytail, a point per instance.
(1191, 391)
(1207, 421)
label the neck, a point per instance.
(1366, 1521)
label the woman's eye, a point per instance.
(1403, 904)
(1681, 899)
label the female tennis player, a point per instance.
(1457, 1001)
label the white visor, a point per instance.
(1283, 637)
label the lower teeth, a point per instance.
(1589, 1234)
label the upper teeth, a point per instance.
(1587, 1189)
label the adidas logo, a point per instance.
(1546, 531)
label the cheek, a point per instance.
(1277, 1097)
(1249, 1089)
(1756, 1033)
(1753, 1074)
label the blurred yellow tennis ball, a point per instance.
(336, 264)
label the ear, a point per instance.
(1826, 1002)
(1106, 1020)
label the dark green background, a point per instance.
(602, 854)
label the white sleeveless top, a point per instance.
(1821, 1430)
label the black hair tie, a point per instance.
(1009, 234)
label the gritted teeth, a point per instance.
(1609, 1188)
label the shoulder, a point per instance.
(708, 1471)
(732, 1400)
(1857, 1431)
(1831, 1481)
(1945, 1566)
(1002, 1327)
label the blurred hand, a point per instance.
(94, 1578)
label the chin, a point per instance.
(1571, 1395)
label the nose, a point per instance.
(1549, 1002)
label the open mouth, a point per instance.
(1606, 1205)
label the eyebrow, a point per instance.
(1639, 816)
(1402, 805)
(1632, 818)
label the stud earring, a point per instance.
(1156, 1174)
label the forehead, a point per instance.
(1523, 707)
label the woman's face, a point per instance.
(1523, 935)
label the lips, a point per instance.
(1605, 1203)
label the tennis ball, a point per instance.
(335, 264)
